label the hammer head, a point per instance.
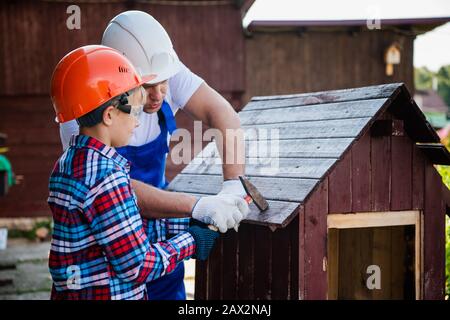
(253, 192)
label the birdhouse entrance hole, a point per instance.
(374, 255)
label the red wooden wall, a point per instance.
(34, 37)
(386, 173)
(377, 174)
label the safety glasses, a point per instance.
(132, 102)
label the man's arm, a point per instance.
(222, 211)
(211, 108)
(156, 203)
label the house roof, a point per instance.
(315, 131)
(422, 24)
(325, 13)
(430, 101)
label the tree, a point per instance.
(444, 83)
(423, 78)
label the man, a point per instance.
(145, 42)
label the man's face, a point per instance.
(155, 96)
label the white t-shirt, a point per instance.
(180, 89)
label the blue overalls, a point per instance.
(148, 163)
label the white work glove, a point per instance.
(233, 187)
(221, 211)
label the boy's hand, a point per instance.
(204, 241)
(223, 211)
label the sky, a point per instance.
(431, 49)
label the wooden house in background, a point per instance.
(315, 54)
(433, 106)
(355, 195)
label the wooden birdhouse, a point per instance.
(357, 208)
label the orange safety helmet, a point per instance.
(89, 76)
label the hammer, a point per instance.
(253, 195)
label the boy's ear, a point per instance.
(108, 115)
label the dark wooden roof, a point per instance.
(315, 130)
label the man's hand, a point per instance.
(233, 187)
(223, 211)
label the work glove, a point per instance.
(222, 211)
(204, 240)
(233, 187)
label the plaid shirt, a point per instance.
(99, 249)
(163, 229)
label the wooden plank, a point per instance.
(245, 289)
(363, 260)
(380, 173)
(342, 128)
(315, 277)
(305, 148)
(401, 148)
(279, 214)
(279, 189)
(294, 259)
(434, 236)
(355, 255)
(381, 258)
(280, 265)
(363, 93)
(301, 253)
(361, 177)
(201, 280)
(215, 265)
(437, 153)
(410, 276)
(340, 110)
(263, 149)
(263, 263)
(348, 274)
(333, 263)
(371, 219)
(418, 257)
(340, 186)
(230, 269)
(418, 178)
(276, 167)
(398, 259)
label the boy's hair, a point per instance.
(95, 116)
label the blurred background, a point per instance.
(242, 48)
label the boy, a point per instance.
(99, 248)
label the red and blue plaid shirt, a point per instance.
(99, 249)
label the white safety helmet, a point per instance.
(143, 40)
